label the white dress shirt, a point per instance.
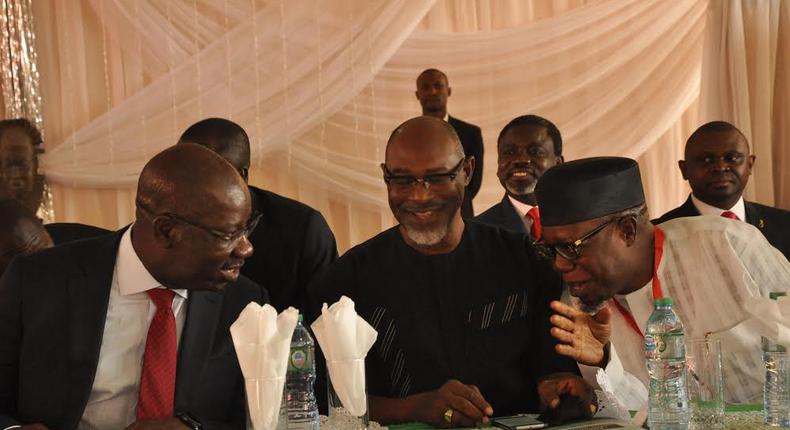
(521, 210)
(705, 209)
(112, 404)
(711, 268)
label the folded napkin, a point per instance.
(263, 344)
(345, 338)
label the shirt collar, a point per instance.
(133, 277)
(446, 117)
(705, 209)
(520, 207)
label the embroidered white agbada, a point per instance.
(714, 269)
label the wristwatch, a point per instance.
(189, 420)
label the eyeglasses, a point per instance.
(436, 180)
(569, 250)
(228, 240)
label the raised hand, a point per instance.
(582, 337)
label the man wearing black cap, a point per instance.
(526, 148)
(597, 234)
(449, 352)
(717, 166)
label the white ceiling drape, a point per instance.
(319, 85)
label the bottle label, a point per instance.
(650, 345)
(301, 360)
(665, 345)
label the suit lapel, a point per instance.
(88, 296)
(688, 208)
(203, 313)
(511, 218)
(753, 215)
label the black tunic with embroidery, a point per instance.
(478, 314)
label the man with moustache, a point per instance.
(717, 166)
(597, 234)
(433, 90)
(131, 329)
(450, 353)
(526, 148)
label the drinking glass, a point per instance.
(705, 387)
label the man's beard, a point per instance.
(588, 309)
(431, 234)
(427, 237)
(521, 190)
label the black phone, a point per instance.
(519, 422)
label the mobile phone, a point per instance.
(519, 422)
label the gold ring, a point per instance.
(448, 415)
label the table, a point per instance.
(738, 417)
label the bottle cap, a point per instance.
(301, 318)
(774, 295)
(663, 301)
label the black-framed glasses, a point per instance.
(569, 250)
(408, 182)
(229, 240)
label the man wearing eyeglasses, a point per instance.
(461, 308)
(433, 90)
(717, 167)
(527, 146)
(293, 242)
(132, 328)
(598, 236)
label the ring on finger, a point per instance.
(448, 415)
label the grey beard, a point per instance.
(522, 190)
(427, 237)
(588, 309)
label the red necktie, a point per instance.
(730, 215)
(158, 380)
(535, 230)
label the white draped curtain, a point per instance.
(319, 85)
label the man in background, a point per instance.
(717, 166)
(433, 90)
(527, 147)
(21, 233)
(293, 243)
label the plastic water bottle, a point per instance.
(665, 352)
(776, 398)
(299, 380)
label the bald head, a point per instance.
(426, 133)
(21, 233)
(224, 137)
(171, 183)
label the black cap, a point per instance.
(588, 188)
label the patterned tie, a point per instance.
(158, 380)
(535, 230)
(730, 215)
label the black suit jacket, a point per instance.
(472, 141)
(292, 244)
(503, 215)
(62, 232)
(774, 223)
(53, 306)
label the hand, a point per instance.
(565, 396)
(34, 427)
(171, 423)
(582, 337)
(468, 405)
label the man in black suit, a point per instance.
(132, 328)
(717, 166)
(62, 232)
(293, 242)
(527, 147)
(433, 89)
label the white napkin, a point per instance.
(263, 344)
(773, 317)
(345, 339)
